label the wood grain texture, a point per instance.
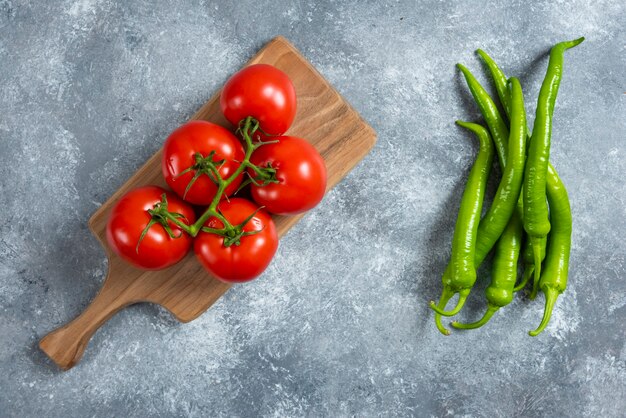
(323, 117)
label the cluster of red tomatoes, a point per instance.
(208, 169)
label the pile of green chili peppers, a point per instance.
(530, 213)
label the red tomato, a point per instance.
(243, 262)
(263, 92)
(301, 175)
(179, 153)
(129, 217)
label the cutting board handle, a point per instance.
(65, 345)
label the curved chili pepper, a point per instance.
(495, 220)
(499, 81)
(496, 124)
(463, 270)
(554, 277)
(536, 222)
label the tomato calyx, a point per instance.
(203, 165)
(262, 175)
(159, 214)
(247, 127)
(250, 126)
(232, 234)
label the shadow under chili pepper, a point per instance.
(438, 241)
(470, 110)
(533, 72)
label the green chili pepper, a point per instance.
(495, 220)
(536, 222)
(462, 268)
(497, 125)
(554, 277)
(499, 80)
(500, 83)
(507, 195)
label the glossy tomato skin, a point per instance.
(238, 263)
(301, 175)
(263, 92)
(200, 137)
(128, 219)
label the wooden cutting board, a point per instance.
(186, 289)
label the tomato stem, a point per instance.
(246, 129)
(223, 184)
(205, 165)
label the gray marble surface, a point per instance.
(339, 324)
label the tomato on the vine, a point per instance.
(263, 92)
(182, 150)
(247, 259)
(300, 175)
(156, 249)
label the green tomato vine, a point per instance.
(206, 166)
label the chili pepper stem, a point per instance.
(536, 243)
(446, 295)
(440, 326)
(528, 271)
(491, 309)
(551, 295)
(459, 305)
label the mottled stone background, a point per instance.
(339, 324)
